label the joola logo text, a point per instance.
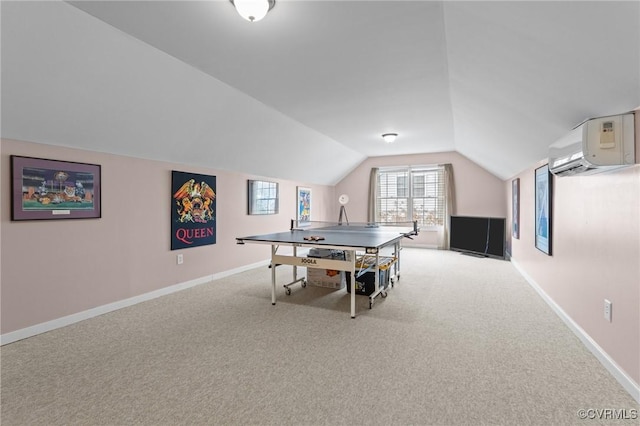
(306, 260)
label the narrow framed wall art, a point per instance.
(543, 209)
(515, 208)
(304, 204)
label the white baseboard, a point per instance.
(423, 246)
(110, 307)
(618, 373)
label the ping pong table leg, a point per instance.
(397, 249)
(352, 256)
(273, 275)
(295, 268)
(376, 277)
(353, 294)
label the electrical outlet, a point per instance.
(180, 259)
(607, 310)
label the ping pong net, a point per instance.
(317, 227)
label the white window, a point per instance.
(411, 194)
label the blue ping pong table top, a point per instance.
(353, 235)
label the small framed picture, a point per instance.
(262, 197)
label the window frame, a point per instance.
(411, 186)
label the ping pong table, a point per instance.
(356, 239)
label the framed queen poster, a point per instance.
(193, 210)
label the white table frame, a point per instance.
(347, 265)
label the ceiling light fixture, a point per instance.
(253, 10)
(389, 137)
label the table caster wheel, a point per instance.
(383, 294)
(303, 283)
(288, 291)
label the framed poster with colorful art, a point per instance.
(543, 182)
(53, 189)
(304, 205)
(193, 210)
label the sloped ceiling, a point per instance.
(306, 93)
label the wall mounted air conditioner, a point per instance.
(596, 145)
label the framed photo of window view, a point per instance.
(262, 197)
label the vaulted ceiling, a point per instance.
(306, 93)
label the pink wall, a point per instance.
(51, 269)
(478, 192)
(596, 255)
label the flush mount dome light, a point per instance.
(253, 10)
(389, 137)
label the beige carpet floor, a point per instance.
(458, 341)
